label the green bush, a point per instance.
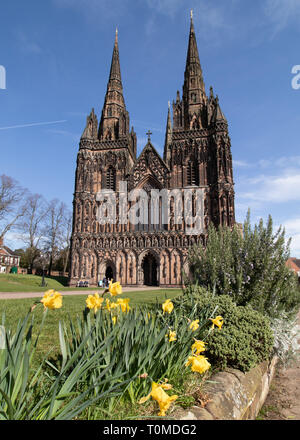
(244, 340)
(250, 268)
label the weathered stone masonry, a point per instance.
(197, 154)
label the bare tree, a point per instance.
(54, 229)
(67, 237)
(32, 227)
(12, 205)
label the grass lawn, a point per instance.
(16, 309)
(32, 283)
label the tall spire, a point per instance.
(193, 95)
(114, 120)
(193, 66)
(115, 80)
(168, 138)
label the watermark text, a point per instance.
(2, 78)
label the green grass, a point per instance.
(27, 283)
(16, 309)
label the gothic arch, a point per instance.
(104, 264)
(141, 261)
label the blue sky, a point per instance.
(57, 56)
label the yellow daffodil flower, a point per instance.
(172, 336)
(198, 363)
(115, 288)
(124, 304)
(94, 302)
(218, 321)
(198, 347)
(167, 306)
(162, 398)
(114, 319)
(108, 304)
(194, 325)
(52, 299)
(113, 305)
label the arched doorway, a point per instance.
(109, 273)
(149, 267)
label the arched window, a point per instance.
(111, 179)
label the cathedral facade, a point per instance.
(197, 156)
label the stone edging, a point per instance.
(235, 395)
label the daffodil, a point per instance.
(115, 288)
(114, 319)
(124, 304)
(114, 305)
(167, 306)
(194, 325)
(172, 336)
(198, 363)
(162, 398)
(52, 299)
(198, 347)
(108, 305)
(218, 321)
(94, 302)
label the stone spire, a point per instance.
(115, 119)
(90, 131)
(193, 96)
(168, 138)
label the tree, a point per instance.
(32, 227)
(55, 222)
(249, 267)
(12, 205)
(64, 242)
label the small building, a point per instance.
(9, 260)
(294, 265)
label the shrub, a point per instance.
(246, 338)
(250, 268)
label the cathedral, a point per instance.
(197, 155)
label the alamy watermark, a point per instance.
(154, 207)
(2, 78)
(2, 337)
(296, 79)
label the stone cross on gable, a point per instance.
(149, 134)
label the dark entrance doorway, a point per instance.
(109, 273)
(149, 267)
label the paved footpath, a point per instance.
(283, 400)
(21, 295)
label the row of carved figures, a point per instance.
(149, 241)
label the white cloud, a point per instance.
(240, 163)
(33, 124)
(207, 17)
(292, 229)
(275, 189)
(281, 13)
